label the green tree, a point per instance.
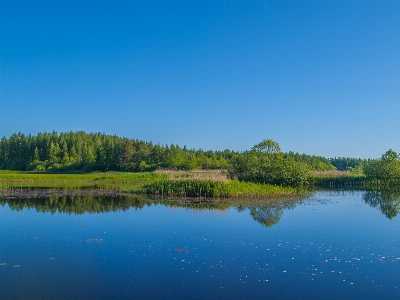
(268, 147)
(54, 153)
(386, 168)
(265, 163)
(36, 156)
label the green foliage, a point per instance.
(126, 181)
(213, 188)
(37, 166)
(347, 163)
(90, 152)
(387, 168)
(79, 151)
(356, 170)
(315, 163)
(268, 147)
(265, 163)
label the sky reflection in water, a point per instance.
(336, 245)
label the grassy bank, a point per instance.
(13, 179)
(163, 183)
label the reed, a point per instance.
(218, 175)
(202, 184)
(215, 189)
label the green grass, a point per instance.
(144, 183)
(57, 180)
(216, 189)
(109, 176)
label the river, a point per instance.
(332, 245)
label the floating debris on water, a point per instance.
(396, 259)
(94, 240)
(180, 249)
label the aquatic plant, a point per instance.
(219, 189)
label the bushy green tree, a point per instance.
(386, 168)
(265, 163)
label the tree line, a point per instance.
(265, 162)
(80, 151)
(99, 152)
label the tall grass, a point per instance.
(202, 184)
(219, 175)
(50, 180)
(216, 189)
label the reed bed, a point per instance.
(216, 189)
(216, 175)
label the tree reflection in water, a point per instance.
(76, 204)
(388, 201)
(267, 216)
(267, 212)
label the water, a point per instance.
(334, 245)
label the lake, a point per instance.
(337, 244)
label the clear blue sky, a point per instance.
(318, 77)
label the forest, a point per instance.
(264, 163)
(99, 152)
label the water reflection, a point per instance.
(267, 216)
(76, 204)
(327, 247)
(267, 212)
(388, 201)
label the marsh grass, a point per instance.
(10, 179)
(217, 175)
(207, 184)
(216, 189)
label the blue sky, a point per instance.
(318, 77)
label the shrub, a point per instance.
(265, 163)
(386, 168)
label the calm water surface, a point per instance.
(334, 245)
